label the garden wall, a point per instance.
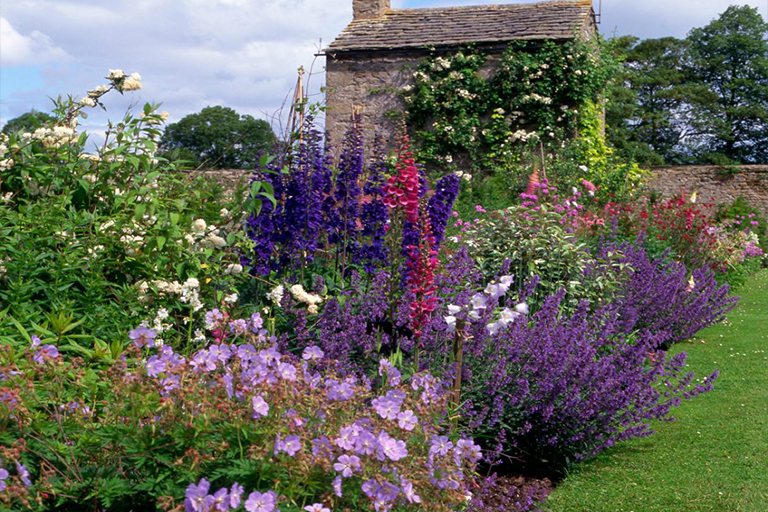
(715, 183)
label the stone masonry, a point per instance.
(720, 185)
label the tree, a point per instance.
(220, 138)
(648, 110)
(730, 58)
(28, 122)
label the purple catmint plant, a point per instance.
(659, 294)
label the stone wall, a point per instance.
(370, 84)
(715, 184)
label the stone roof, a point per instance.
(450, 26)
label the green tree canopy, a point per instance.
(730, 58)
(703, 99)
(220, 138)
(28, 122)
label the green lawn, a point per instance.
(715, 456)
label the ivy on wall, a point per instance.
(483, 114)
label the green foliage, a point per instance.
(703, 99)
(28, 122)
(537, 243)
(730, 58)
(467, 117)
(219, 138)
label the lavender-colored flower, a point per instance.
(392, 448)
(347, 437)
(212, 318)
(311, 353)
(386, 408)
(35, 341)
(410, 494)
(336, 484)
(260, 407)
(23, 472)
(317, 507)
(196, 498)
(155, 366)
(291, 445)
(221, 499)
(407, 420)
(339, 390)
(3, 476)
(366, 443)
(142, 336)
(235, 495)
(439, 445)
(347, 465)
(45, 353)
(286, 371)
(239, 326)
(256, 323)
(261, 502)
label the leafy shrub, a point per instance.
(83, 236)
(237, 411)
(538, 242)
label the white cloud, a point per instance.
(24, 50)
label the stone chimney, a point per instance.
(368, 9)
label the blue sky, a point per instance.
(239, 53)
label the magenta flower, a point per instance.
(260, 407)
(258, 502)
(143, 336)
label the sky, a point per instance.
(242, 54)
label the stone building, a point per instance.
(375, 55)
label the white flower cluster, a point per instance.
(5, 163)
(440, 64)
(51, 137)
(189, 291)
(464, 175)
(204, 236)
(310, 299)
(522, 135)
(465, 94)
(480, 301)
(537, 97)
(276, 294)
(124, 82)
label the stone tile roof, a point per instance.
(447, 26)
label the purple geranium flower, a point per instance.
(221, 499)
(143, 336)
(407, 420)
(336, 484)
(3, 476)
(260, 407)
(44, 353)
(391, 448)
(197, 499)
(155, 366)
(317, 507)
(258, 502)
(23, 472)
(256, 322)
(311, 353)
(347, 465)
(235, 495)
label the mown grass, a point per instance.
(715, 456)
